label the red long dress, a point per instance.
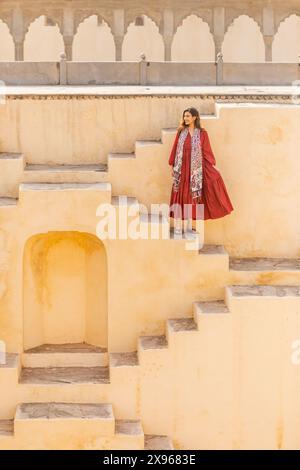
(214, 194)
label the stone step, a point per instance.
(124, 201)
(263, 291)
(127, 359)
(67, 384)
(10, 155)
(153, 342)
(120, 157)
(177, 325)
(11, 172)
(124, 376)
(129, 435)
(181, 326)
(65, 186)
(209, 308)
(82, 173)
(38, 422)
(64, 375)
(264, 264)
(261, 299)
(6, 427)
(8, 202)
(51, 193)
(153, 442)
(186, 236)
(152, 348)
(65, 355)
(147, 143)
(273, 271)
(213, 250)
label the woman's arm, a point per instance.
(207, 150)
(173, 151)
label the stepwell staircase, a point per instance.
(106, 394)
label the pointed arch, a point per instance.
(80, 16)
(43, 43)
(143, 39)
(286, 43)
(193, 41)
(93, 41)
(243, 41)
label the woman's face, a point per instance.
(188, 118)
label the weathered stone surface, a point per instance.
(6, 427)
(153, 342)
(153, 442)
(65, 375)
(212, 250)
(64, 410)
(216, 306)
(123, 359)
(66, 348)
(264, 264)
(182, 324)
(129, 427)
(11, 360)
(276, 291)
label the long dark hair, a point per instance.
(194, 112)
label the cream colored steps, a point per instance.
(52, 426)
(8, 202)
(124, 373)
(261, 298)
(129, 435)
(119, 157)
(142, 172)
(129, 359)
(152, 342)
(65, 355)
(274, 271)
(6, 434)
(6, 428)
(64, 426)
(82, 173)
(67, 384)
(65, 375)
(153, 442)
(11, 172)
(44, 194)
(210, 308)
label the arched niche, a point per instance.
(43, 41)
(64, 289)
(243, 41)
(286, 43)
(193, 41)
(143, 38)
(94, 41)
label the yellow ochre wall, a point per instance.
(231, 382)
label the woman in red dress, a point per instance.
(192, 152)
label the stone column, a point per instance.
(68, 42)
(268, 31)
(68, 32)
(268, 48)
(18, 32)
(218, 29)
(168, 32)
(19, 49)
(118, 31)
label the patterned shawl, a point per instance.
(196, 162)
